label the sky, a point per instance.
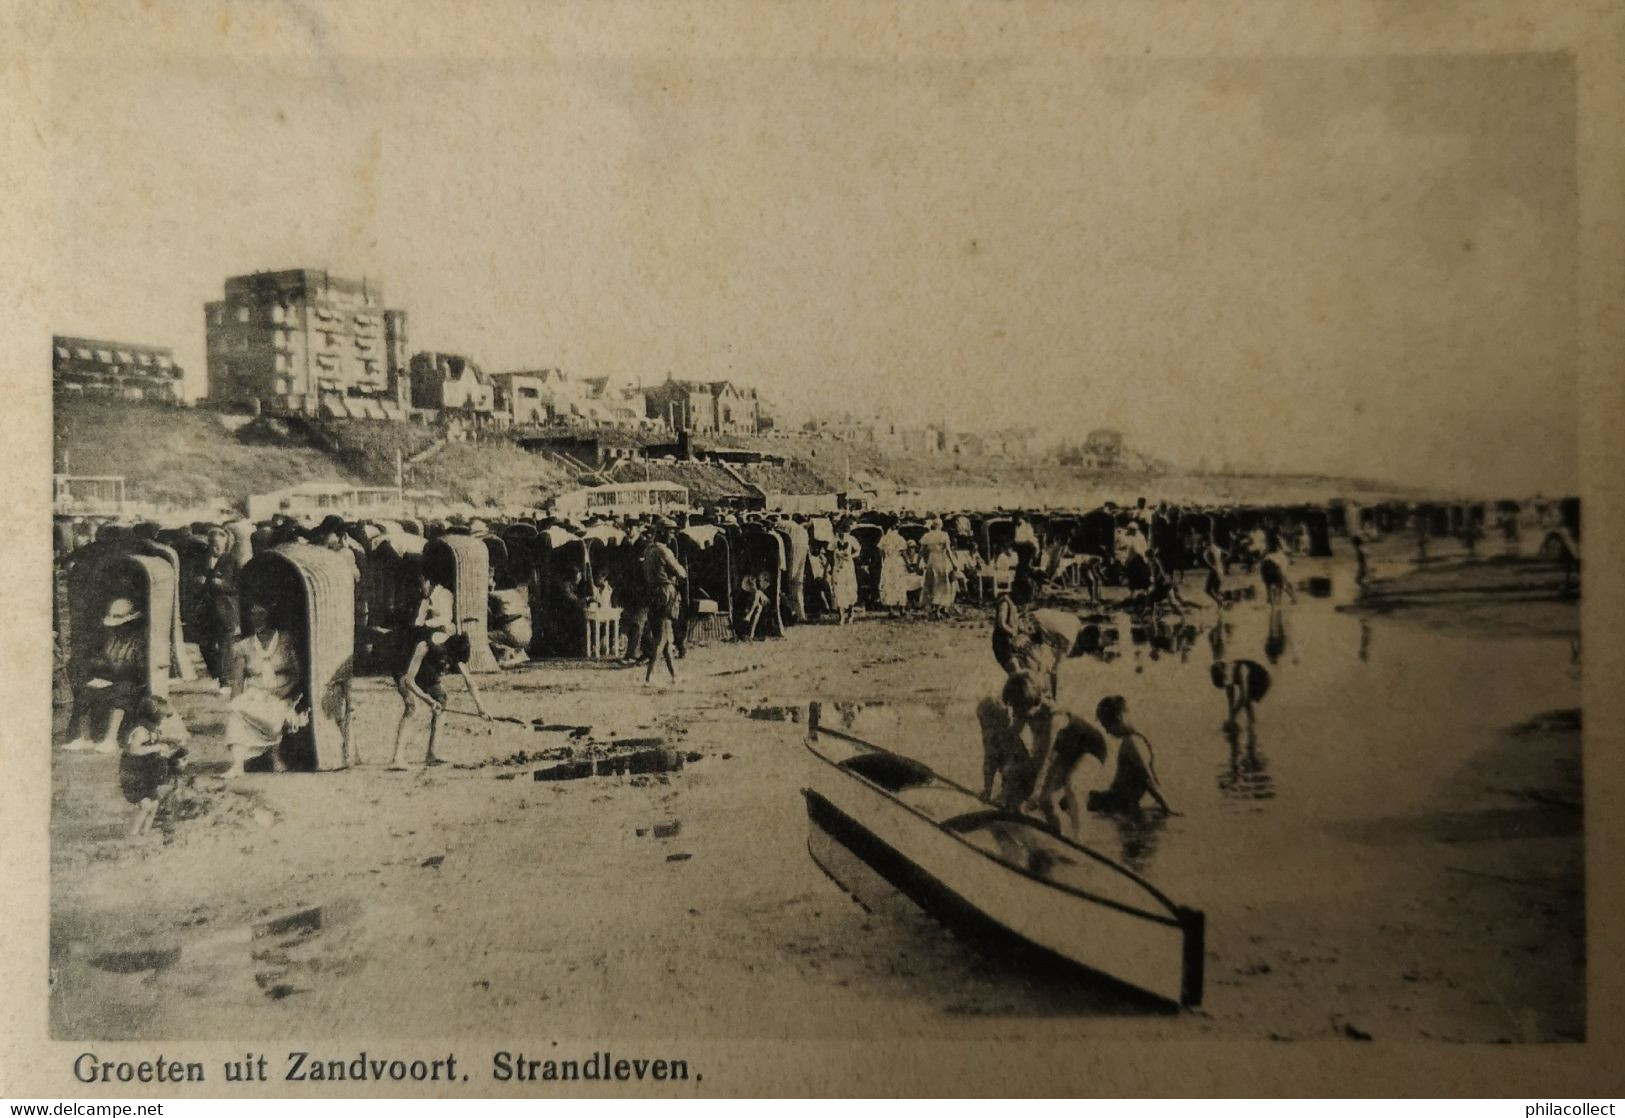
(1362, 266)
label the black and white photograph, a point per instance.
(974, 529)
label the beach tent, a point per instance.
(310, 592)
(707, 553)
(463, 564)
(149, 583)
(760, 553)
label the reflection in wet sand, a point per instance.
(1275, 642)
(1137, 835)
(1246, 777)
(1174, 638)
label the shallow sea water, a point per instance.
(1366, 723)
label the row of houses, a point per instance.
(453, 388)
(928, 441)
(95, 367)
(304, 342)
(456, 386)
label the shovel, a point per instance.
(536, 725)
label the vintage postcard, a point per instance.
(682, 550)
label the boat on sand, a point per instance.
(995, 875)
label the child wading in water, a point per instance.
(1060, 740)
(1136, 775)
(1244, 682)
(1003, 754)
(154, 751)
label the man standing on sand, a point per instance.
(1024, 542)
(635, 598)
(1272, 569)
(795, 534)
(661, 570)
(221, 622)
(1213, 561)
(1143, 517)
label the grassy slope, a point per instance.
(178, 455)
(488, 474)
(182, 456)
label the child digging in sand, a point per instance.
(154, 751)
(433, 655)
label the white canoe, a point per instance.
(996, 875)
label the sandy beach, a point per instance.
(1398, 854)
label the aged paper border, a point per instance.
(38, 34)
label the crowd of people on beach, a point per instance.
(640, 589)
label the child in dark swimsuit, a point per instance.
(1060, 741)
(433, 655)
(1136, 775)
(153, 753)
(1244, 682)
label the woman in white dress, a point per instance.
(843, 574)
(267, 683)
(893, 590)
(937, 557)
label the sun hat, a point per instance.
(120, 611)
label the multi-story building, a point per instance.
(736, 406)
(304, 341)
(453, 386)
(121, 370)
(703, 406)
(683, 405)
(604, 404)
(540, 396)
(521, 399)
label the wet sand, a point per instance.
(1397, 854)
